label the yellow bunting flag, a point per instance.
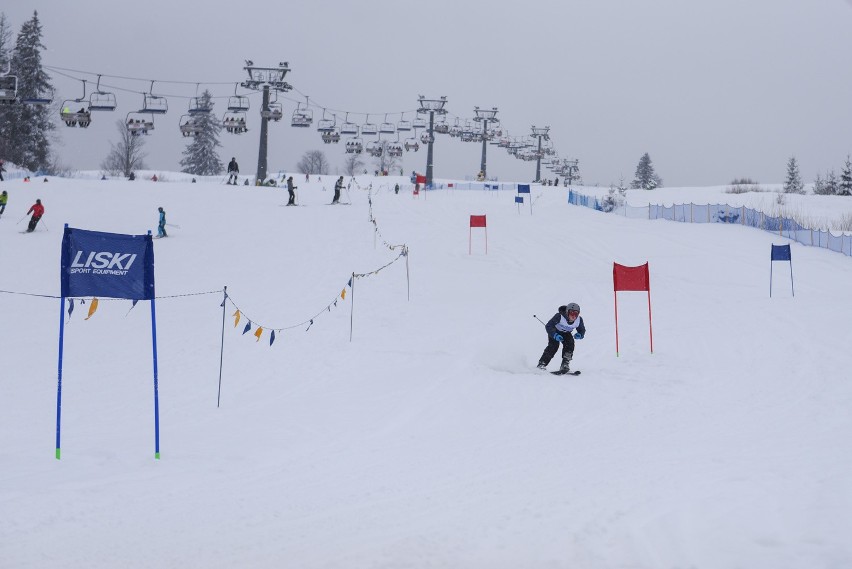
(343, 294)
(237, 319)
(92, 307)
(258, 332)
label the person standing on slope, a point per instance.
(338, 186)
(4, 199)
(161, 227)
(233, 171)
(292, 190)
(566, 321)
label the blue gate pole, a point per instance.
(59, 371)
(770, 278)
(791, 278)
(156, 395)
(59, 374)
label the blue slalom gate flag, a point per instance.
(781, 253)
(523, 188)
(519, 199)
(106, 265)
(110, 265)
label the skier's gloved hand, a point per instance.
(578, 336)
(558, 337)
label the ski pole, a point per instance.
(46, 228)
(173, 225)
(539, 319)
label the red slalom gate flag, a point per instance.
(631, 279)
(477, 221)
(420, 179)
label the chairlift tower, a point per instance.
(431, 106)
(265, 79)
(571, 169)
(541, 133)
(483, 116)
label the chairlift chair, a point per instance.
(155, 104)
(197, 106)
(238, 103)
(354, 146)
(234, 122)
(349, 129)
(8, 89)
(387, 127)
(427, 138)
(302, 117)
(403, 126)
(411, 145)
(368, 128)
(419, 123)
(101, 100)
(273, 111)
(139, 123)
(190, 125)
(325, 125)
(72, 117)
(375, 148)
(395, 148)
(441, 128)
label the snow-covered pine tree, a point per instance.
(845, 186)
(820, 186)
(5, 55)
(646, 178)
(831, 184)
(200, 157)
(793, 184)
(28, 126)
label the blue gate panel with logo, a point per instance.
(110, 265)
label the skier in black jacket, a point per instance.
(233, 171)
(291, 188)
(559, 329)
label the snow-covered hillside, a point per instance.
(429, 439)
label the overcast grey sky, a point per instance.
(711, 90)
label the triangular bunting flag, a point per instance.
(349, 284)
(92, 307)
(247, 328)
(70, 306)
(237, 318)
(258, 333)
(343, 294)
(271, 337)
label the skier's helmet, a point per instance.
(573, 309)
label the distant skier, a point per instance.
(161, 227)
(4, 199)
(559, 329)
(37, 210)
(2, 169)
(396, 189)
(292, 190)
(338, 186)
(233, 171)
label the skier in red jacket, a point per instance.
(37, 210)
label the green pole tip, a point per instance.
(57, 454)
(157, 456)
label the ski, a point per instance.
(560, 372)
